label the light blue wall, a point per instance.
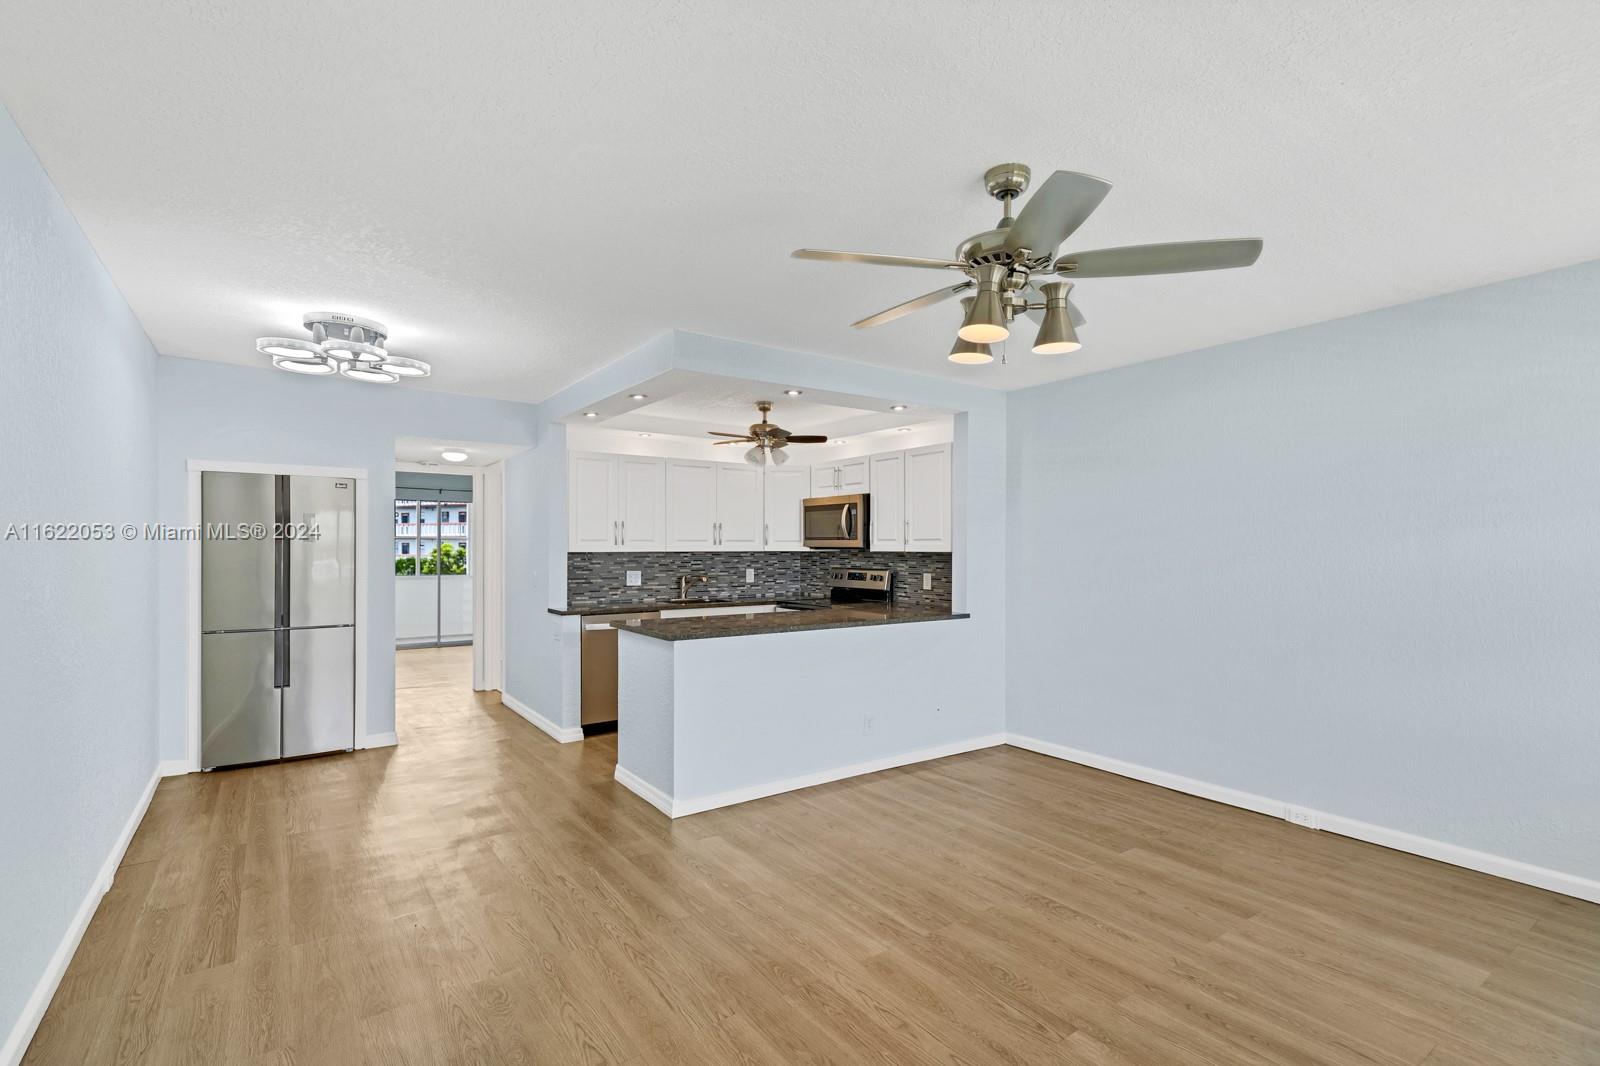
(224, 412)
(77, 636)
(1354, 566)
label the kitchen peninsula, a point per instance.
(722, 708)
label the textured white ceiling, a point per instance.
(525, 191)
(422, 450)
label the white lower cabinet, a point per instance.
(786, 490)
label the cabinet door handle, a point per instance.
(622, 531)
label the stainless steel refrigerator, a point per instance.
(277, 645)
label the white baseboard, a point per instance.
(1496, 865)
(380, 740)
(174, 768)
(33, 1012)
(565, 734)
(644, 790)
(679, 808)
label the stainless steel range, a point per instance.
(848, 585)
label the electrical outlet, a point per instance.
(866, 725)
(750, 575)
(635, 578)
(1301, 817)
(927, 582)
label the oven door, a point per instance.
(836, 522)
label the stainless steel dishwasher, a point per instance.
(598, 668)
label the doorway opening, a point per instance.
(433, 561)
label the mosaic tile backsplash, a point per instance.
(598, 579)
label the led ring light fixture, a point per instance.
(342, 344)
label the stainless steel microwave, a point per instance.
(836, 521)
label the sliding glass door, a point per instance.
(432, 570)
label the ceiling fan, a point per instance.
(769, 439)
(1014, 268)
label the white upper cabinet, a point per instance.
(641, 503)
(927, 499)
(620, 503)
(691, 505)
(786, 490)
(739, 513)
(843, 478)
(853, 476)
(887, 510)
(592, 504)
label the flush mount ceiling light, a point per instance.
(343, 344)
(453, 457)
(638, 396)
(897, 407)
(793, 392)
(1008, 268)
(591, 414)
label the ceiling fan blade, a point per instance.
(925, 300)
(714, 433)
(807, 438)
(1055, 211)
(1176, 258)
(740, 440)
(874, 258)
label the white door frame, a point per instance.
(489, 578)
(192, 588)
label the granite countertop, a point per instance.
(743, 625)
(683, 605)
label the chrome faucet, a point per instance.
(686, 579)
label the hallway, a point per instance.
(482, 894)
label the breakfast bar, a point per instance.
(719, 710)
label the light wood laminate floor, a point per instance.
(481, 894)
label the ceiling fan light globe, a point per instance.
(968, 354)
(986, 320)
(779, 457)
(756, 456)
(1056, 335)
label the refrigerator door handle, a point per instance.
(280, 659)
(280, 547)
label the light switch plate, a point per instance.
(750, 575)
(927, 582)
(635, 578)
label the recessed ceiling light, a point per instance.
(644, 434)
(841, 442)
(638, 396)
(903, 429)
(453, 457)
(793, 392)
(591, 414)
(898, 407)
